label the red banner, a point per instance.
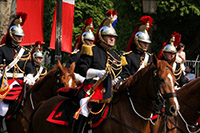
(67, 26)
(33, 27)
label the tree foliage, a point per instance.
(181, 16)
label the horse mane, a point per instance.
(40, 82)
(136, 77)
(187, 85)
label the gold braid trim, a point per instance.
(178, 74)
(44, 73)
(118, 64)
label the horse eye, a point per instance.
(167, 67)
(162, 80)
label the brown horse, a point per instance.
(188, 98)
(132, 104)
(42, 90)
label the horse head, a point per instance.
(164, 82)
(56, 78)
(154, 83)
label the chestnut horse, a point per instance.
(188, 98)
(42, 90)
(131, 111)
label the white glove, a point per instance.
(116, 80)
(78, 77)
(93, 73)
(29, 79)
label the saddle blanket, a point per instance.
(64, 111)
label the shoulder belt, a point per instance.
(174, 66)
(86, 49)
(14, 62)
(38, 74)
(125, 53)
(123, 60)
(145, 61)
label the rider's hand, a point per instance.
(93, 73)
(116, 80)
(29, 79)
(78, 77)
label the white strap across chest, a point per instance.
(14, 62)
(38, 74)
(174, 66)
(145, 61)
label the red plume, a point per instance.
(111, 12)
(177, 39)
(143, 20)
(146, 19)
(88, 21)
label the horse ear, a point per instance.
(60, 66)
(155, 60)
(72, 66)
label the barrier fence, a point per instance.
(195, 64)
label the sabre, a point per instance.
(98, 82)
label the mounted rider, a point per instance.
(17, 67)
(37, 60)
(86, 38)
(168, 53)
(137, 55)
(101, 66)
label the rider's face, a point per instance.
(89, 42)
(170, 56)
(18, 38)
(110, 40)
(39, 60)
(144, 46)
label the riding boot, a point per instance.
(79, 125)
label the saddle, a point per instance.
(63, 114)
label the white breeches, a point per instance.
(3, 108)
(83, 104)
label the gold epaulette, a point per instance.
(87, 49)
(2, 44)
(123, 60)
(74, 52)
(125, 53)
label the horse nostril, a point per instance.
(172, 110)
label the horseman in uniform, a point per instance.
(137, 56)
(168, 53)
(37, 60)
(17, 66)
(100, 65)
(86, 38)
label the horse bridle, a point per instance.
(160, 98)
